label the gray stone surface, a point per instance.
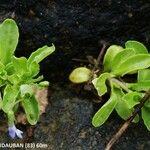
(67, 125)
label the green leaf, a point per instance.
(121, 57)
(147, 103)
(137, 46)
(33, 69)
(20, 65)
(132, 99)
(1, 102)
(2, 68)
(44, 84)
(10, 68)
(144, 75)
(26, 89)
(140, 86)
(121, 107)
(30, 81)
(3, 75)
(104, 112)
(124, 112)
(14, 79)
(9, 98)
(24, 70)
(111, 52)
(8, 40)
(40, 54)
(133, 63)
(99, 83)
(146, 117)
(31, 108)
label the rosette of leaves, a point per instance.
(19, 76)
(118, 62)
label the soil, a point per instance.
(77, 29)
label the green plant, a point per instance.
(124, 96)
(19, 77)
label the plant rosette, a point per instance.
(118, 62)
(19, 79)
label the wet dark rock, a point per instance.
(76, 27)
(67, 125)
(67, 120)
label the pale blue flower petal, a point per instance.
(13, 132)
(19, 133)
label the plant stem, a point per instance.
(11, 118)
(100, 56)
(121, 84)
(128, 121)
(80, 60)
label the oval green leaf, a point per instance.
(41, 53)
(26, 89)
(137, 62)
(144, 75)
(137, 46)
(9, 35)
(20, 65)
(121, 57)
(121, 107)
(33, 69)
(100, 83)
(104, 112)
(109, 56)
(132, 99)
(9, 98)
(140, 86)
(31, 108)
(146, 117)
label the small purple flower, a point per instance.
(13, 132)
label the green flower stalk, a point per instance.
(12, 130)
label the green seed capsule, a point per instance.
(80, 75)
